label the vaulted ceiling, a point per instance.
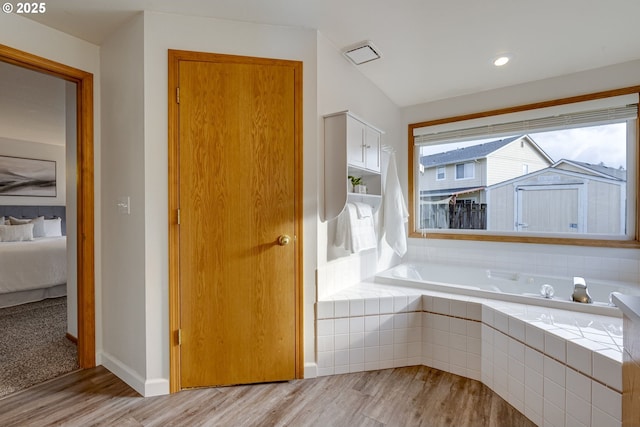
(432, 49)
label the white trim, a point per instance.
(146, 388)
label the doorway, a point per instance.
(84, 190)
(235, 219)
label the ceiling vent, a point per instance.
(362, 52)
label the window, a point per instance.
(564, 171)
(465, 170)
(441, 173)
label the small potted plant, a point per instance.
(358, 185)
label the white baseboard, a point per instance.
(310, 370)
(146, 388)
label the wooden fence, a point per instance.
(464, 214)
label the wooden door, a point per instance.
(238, 133)
(548, 209)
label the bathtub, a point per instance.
(505, 285)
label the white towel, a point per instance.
(395, 210)
(355, 234)
(364, 210)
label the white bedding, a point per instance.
(40, 263)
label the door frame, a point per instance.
(84, 187)
(174, 59)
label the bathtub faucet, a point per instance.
(580, 292)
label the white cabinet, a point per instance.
(352, 148)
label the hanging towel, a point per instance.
(355, 234)
(364, 210)
(395, 210)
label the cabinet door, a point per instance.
(355, 143)
(372, 149)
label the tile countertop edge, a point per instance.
(628, 304)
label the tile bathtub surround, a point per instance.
(549, 364)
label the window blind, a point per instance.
(582, 114)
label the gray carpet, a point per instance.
(33, 344)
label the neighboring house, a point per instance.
(463, 174)
(567, 197)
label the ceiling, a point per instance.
(432, 49)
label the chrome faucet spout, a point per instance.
(580, 291)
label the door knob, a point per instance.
(284, 240)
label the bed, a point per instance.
(33, 266)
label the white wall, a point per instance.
(123, 274)
(341, 86)
(135, 154)
(27, 35)
(536, 257)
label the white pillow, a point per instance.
(38, 224)
(53, 227)
(16, 233)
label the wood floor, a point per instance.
(412, 396)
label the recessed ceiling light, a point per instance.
(501, 60)
(362, 52)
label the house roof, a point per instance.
(600, 169)
(465, 154)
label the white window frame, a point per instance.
(464, 170)
(444, 173)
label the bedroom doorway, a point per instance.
(84, 190)
(235, 178)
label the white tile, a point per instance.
(573, 422)
(371, 306)
(386, 305)
(386, 337)
(606, 400)
(325, 359)
(578, 408)
(414, 335)
(487, 315)
(371, 323)
(534, 360)
(341, 308)
(458, 342)
(324, 309)
(554, 371)
(341, 358)
(356, 340)
(427, 303)
(534, 337)
(501, 322)
(554, 392)
(400, 352)
(323, 372)
(474, 346)
(553, 416)
(516, 393)
(487, 334)
(356, 356)
(440, 353)
(414, 349)
(533, 406)
(325, 343)
(516, 350)
(441, 323)
(325, 327)
(579, 385)
(516, 329)
(341, 341)
(356, 324)
(458, 308)
(555, 346)
(356, 307)
(579, 357)
(474, 311)
(458, 358)
(400, 304)
(414, 303)
(414, 320)
(474, 329)
(400, 321)
(341, 325)
(607, 370)
(372, 339)
(441, 337)
(441, 305)
(602, 419)
(400, 336)
(516, 370)
(372, 366)
(533, 380)
(386, 322)
(458, 326)
(386, 352)
(501, 342)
